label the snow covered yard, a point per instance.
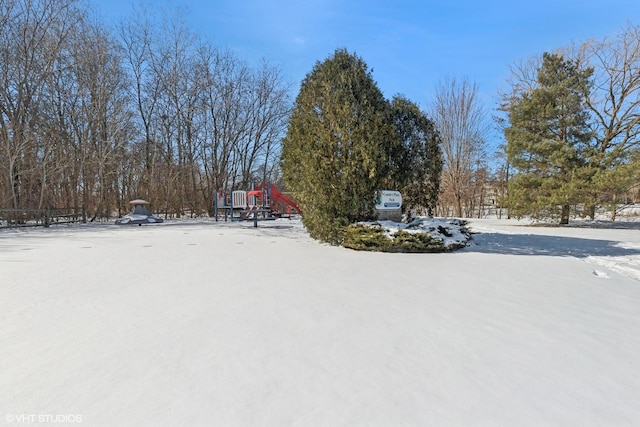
(204, 323)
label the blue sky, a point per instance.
(409, 45)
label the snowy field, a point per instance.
(198, 323)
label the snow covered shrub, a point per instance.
(419, 236)
(403, 241)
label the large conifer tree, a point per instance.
(334, 156)
(416, 161)
(548, 142)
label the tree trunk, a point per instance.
(564, 218)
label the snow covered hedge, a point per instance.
(420, 235)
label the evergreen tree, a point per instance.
(333, 155)
(548, 142)
(416, 161)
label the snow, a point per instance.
(205, 323)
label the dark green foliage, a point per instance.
(548, 142)
(416, 159)
(366, 238)
(404, 241)
(334, 154)
(444, 231)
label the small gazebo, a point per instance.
(139, 214)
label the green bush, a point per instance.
(366, 238)
(404, 241)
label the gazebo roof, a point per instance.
(138, 202)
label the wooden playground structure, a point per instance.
(263, 202)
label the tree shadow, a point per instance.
(532, 244)
(609, 225)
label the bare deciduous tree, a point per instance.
(461, 122)
(90, 121)
(615, 96)
(32, 35)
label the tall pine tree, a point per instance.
(333, 155)
(548, 143)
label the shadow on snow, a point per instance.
(529, 244)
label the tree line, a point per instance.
(93, 117)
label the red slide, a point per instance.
(277, 195)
